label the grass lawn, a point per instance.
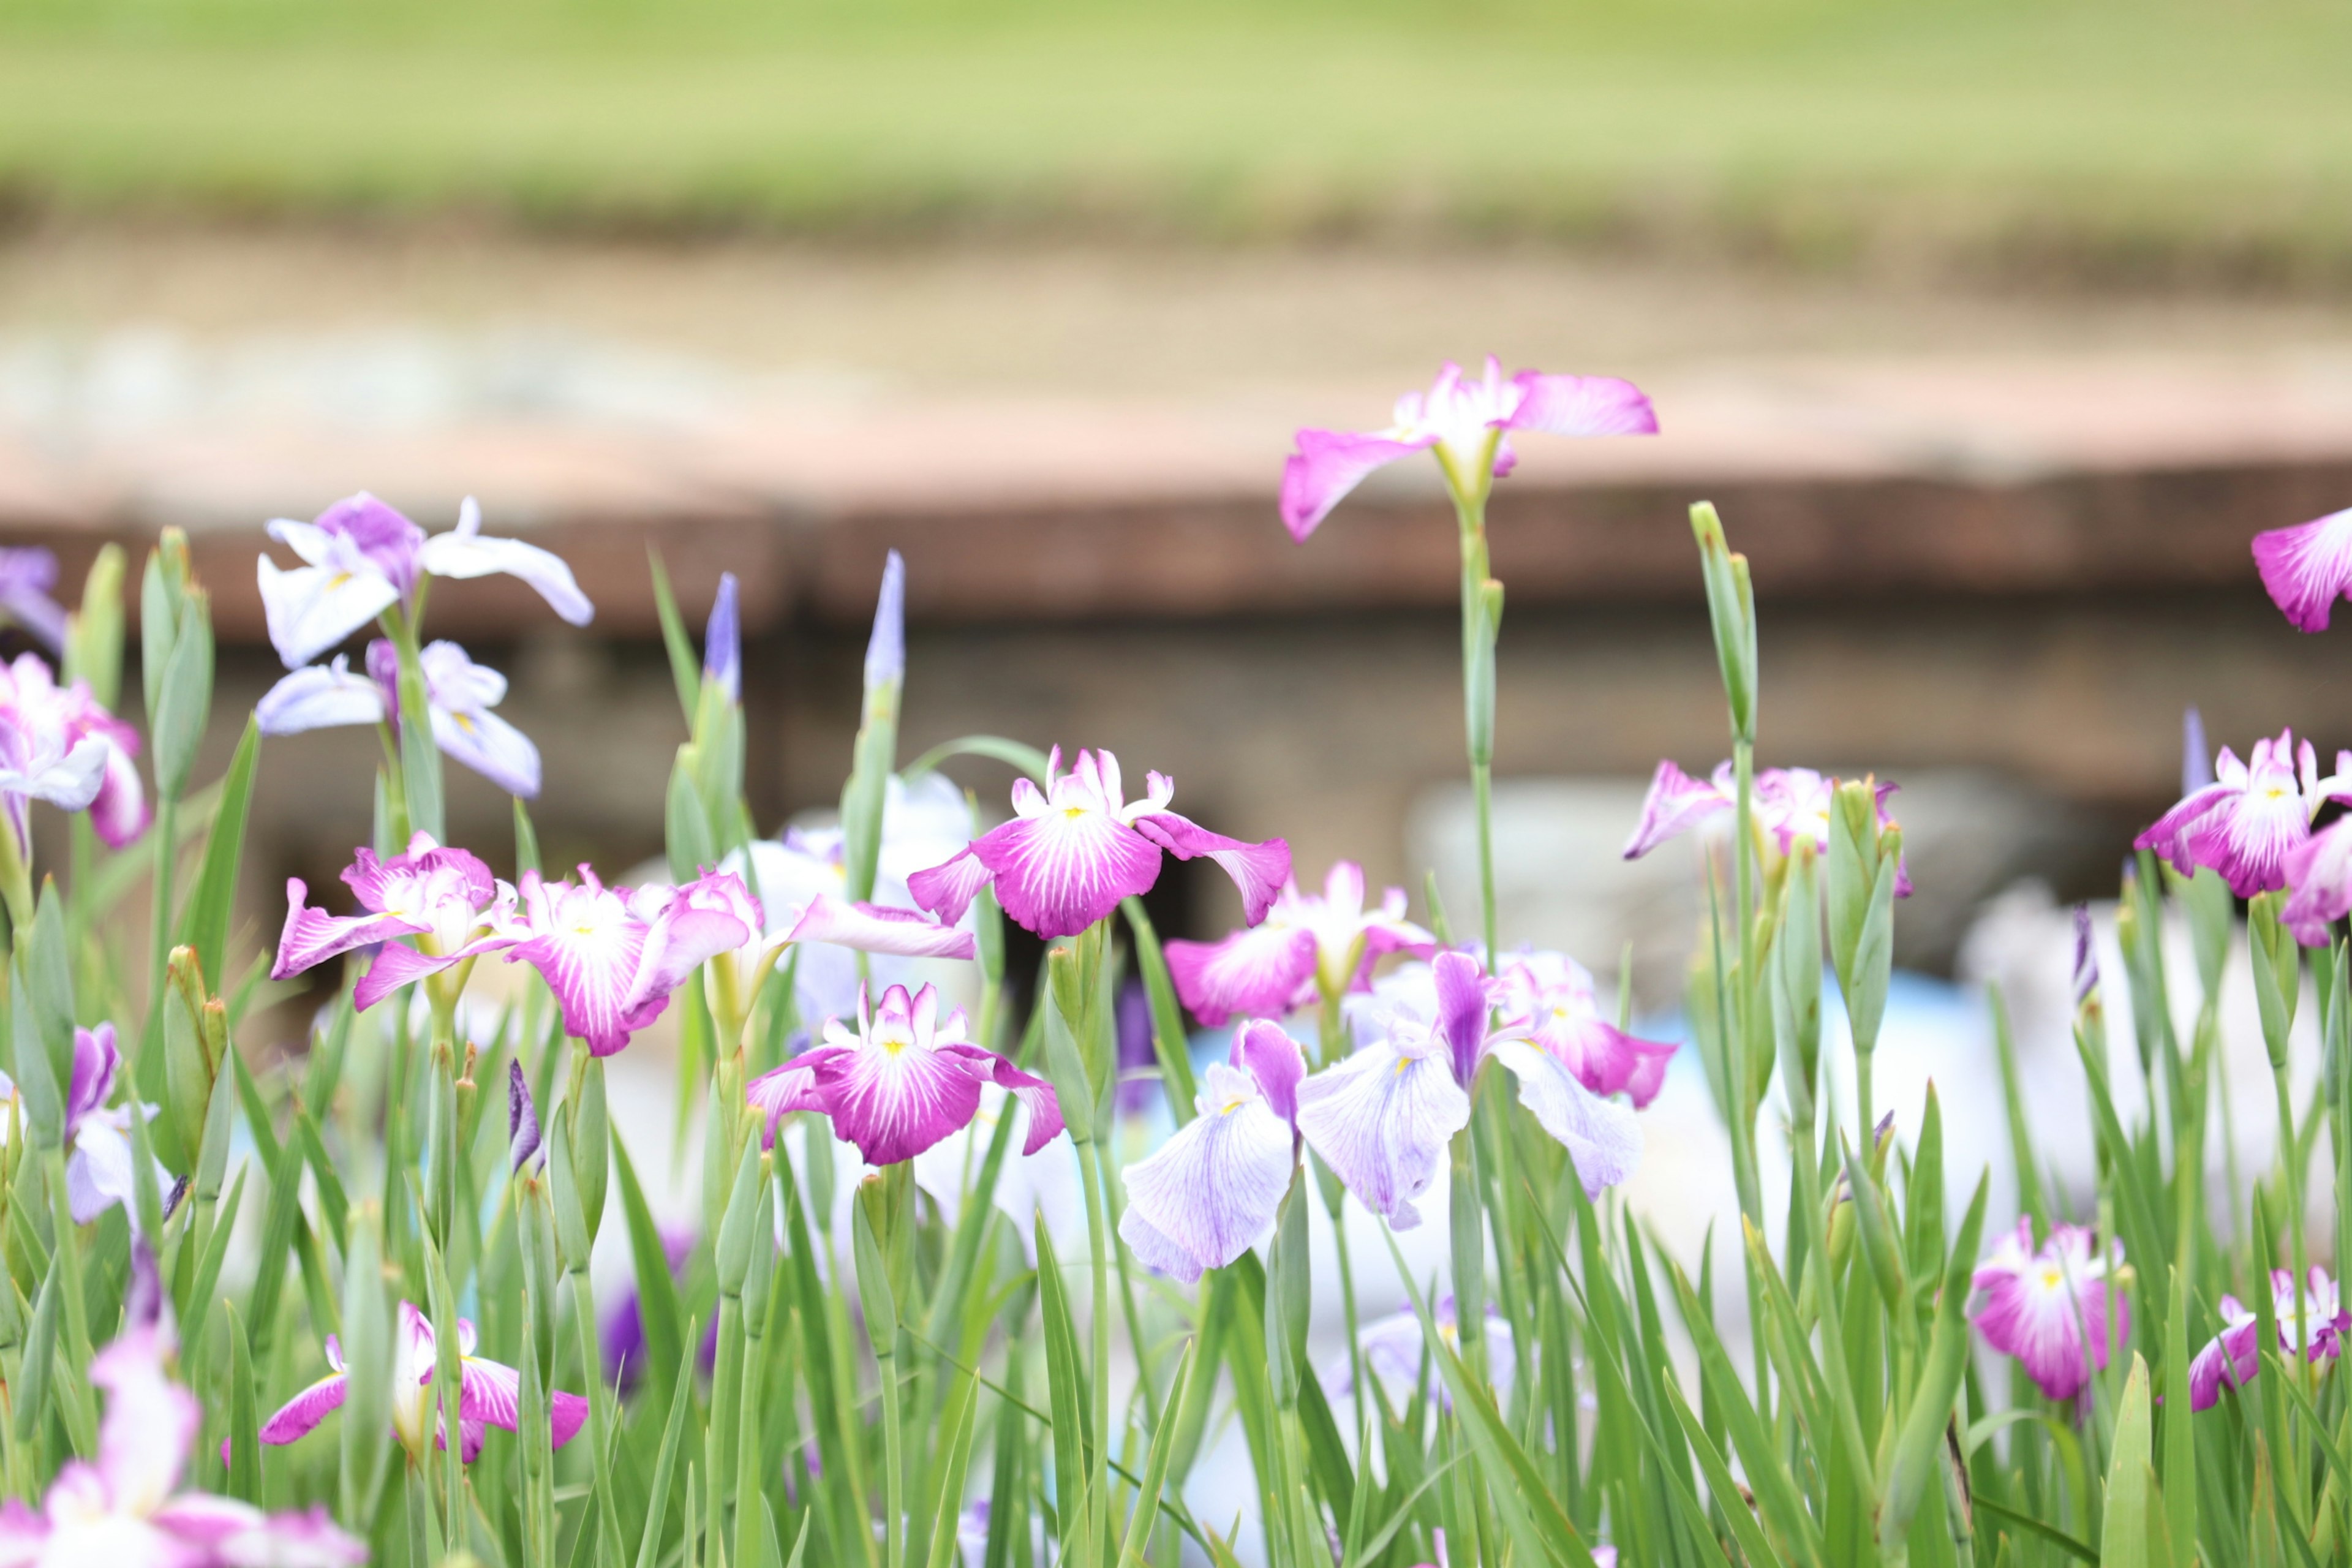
(2160, 136)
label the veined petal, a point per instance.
(299, 1415)
(792, 1087)
(711, 915)
(2306, 567)
(99, 1174)
(587, 947)
(1259, 870)
(312, 608)
(397, 965)
(1045, 1109)
(1675, 803)
(118, 812)
(895, 1103)
(1580, 405)
(320, 696)
(465, 551)
(492, 1394)
(948, 888)
(2169, 834)
(1274, 1062)
(1211, 1190)
(97, 1059)
(2229, 1358)
(1380, 1120)
(492, 747)
(1462, 1005)
(1058, 872)
(1254, 973)
(1604, 1137)
(313, 936)
(2248, 841)
(1326, 465)
(874, 927)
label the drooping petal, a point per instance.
(119, 811)
(299, 1415)
(397, 965)
(2319, 870)
(1462, 1005)
(312, 608)
(1580, 405)
(2249, 841)
(1254, 973)
(2306, 567)
(1211, 1190)
(96, 1061)
(2230, 1358)
(948, 889)
(1058, 872)
(1675, 803)
(313, 936)
(320, 696)
(150, 1422)
(1274, 1062)
(875, 928)
(1380, 1120)
(792, 1087)
(894, 1103)
(99, 1173)
(1045, 1109)
(465, 551)
(1608, 1060)
(1326, 465)
(490, 746)
(69, 782)
(1604, 1137)
(587, 946)
(1259, 870)
(711, 915)
(492, 1394)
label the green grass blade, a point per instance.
(659, 1307)
(681, 1404)
(244, 1417)
(203, 921)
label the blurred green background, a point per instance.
(2198, 139)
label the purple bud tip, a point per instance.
(886, 653)
(2196, 761)
(2087, 959)
(523, 1118)
(722, 642)
(1885, 1130)
(142, 1295)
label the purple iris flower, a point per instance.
(2319, 869)
(1381, 1119)
(361, 557)
(58, 744)
(522, 1119)
(1789, 804)
(27, 577)
(2039, 1305)
(99, 1172)
(613, 956)
(1210, 1193)
(126, 1506)
(1392, 1348)
(1550, 997)
(2232, 1356)
(1074, 849)
(1309, 945)
(489, 1393)
(1468, 424)
(459, 697)
(443, 900)
(625, 1329)
(2251, 820)
(2307, 568)
(906, 1079)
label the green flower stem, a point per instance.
(1098, 1255)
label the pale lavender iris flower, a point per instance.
(1074, 849)
(1382, 1118)
(125, 1509)
(900, 1082)
(2231, 1358)
(2055, 1308)
(100, 1172)
(2319, 869)
(27, 577)
(1468, 425)
(2248, 823)
(489, 1393)
(58, 746)
(444, 901)
(613, 956)
(2307, 568)
(459, 697)
(1309, 945)
(1394, 1351)
(361, 557)
(1209, 1193)
(1787, 804)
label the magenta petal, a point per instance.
(566, 1414)
(1607, 1060)
(313, 936)
(1275, 1062)
(1255, 973)
(397, 965)
(96, 1060)
(792, 1087)
(2306, 567)
(299, 1415)
(2319, 869)
(1044, 1110)
(118, 813)
(711, 915)
(2228, 1358)
(1462, 1000)
(1675, 803)
(586, 945)
(1259, 870)
(876, 928)
(1060, 871)
(1326, 465)
(948, 889)
(1211, 1190)
(1580, 405)
(893, 1104)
